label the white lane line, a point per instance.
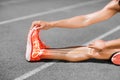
(30, 73)
(106, 34)
(50, 11)
(12, 2)
(36, 70)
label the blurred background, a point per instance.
(16, 17)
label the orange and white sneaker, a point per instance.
(35, 47)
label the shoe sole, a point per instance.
(29, 46)
(116, 59)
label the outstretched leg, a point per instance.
(68, 54)
(35, 50)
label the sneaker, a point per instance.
(116, 59)
(35, 47)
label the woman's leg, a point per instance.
(68, 54)
(104, 54)
(36, 50)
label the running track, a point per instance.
(15, 19)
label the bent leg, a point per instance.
(68, 54)
(104, 54)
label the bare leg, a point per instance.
(77, 54)
(105, 54)
(35, 51)
(68, 54)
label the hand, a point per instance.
(41, 25)
(98, 45)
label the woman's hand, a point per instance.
(98, 45)
(41, 25)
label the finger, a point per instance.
(33, 24)
(91, 45)
(36, 24)
(41, 26)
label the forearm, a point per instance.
(113, 44)
(84, 20)
(74, 22)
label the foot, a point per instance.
(116, 58)
(35, 47)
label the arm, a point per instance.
(113, 44)
(85, 20)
